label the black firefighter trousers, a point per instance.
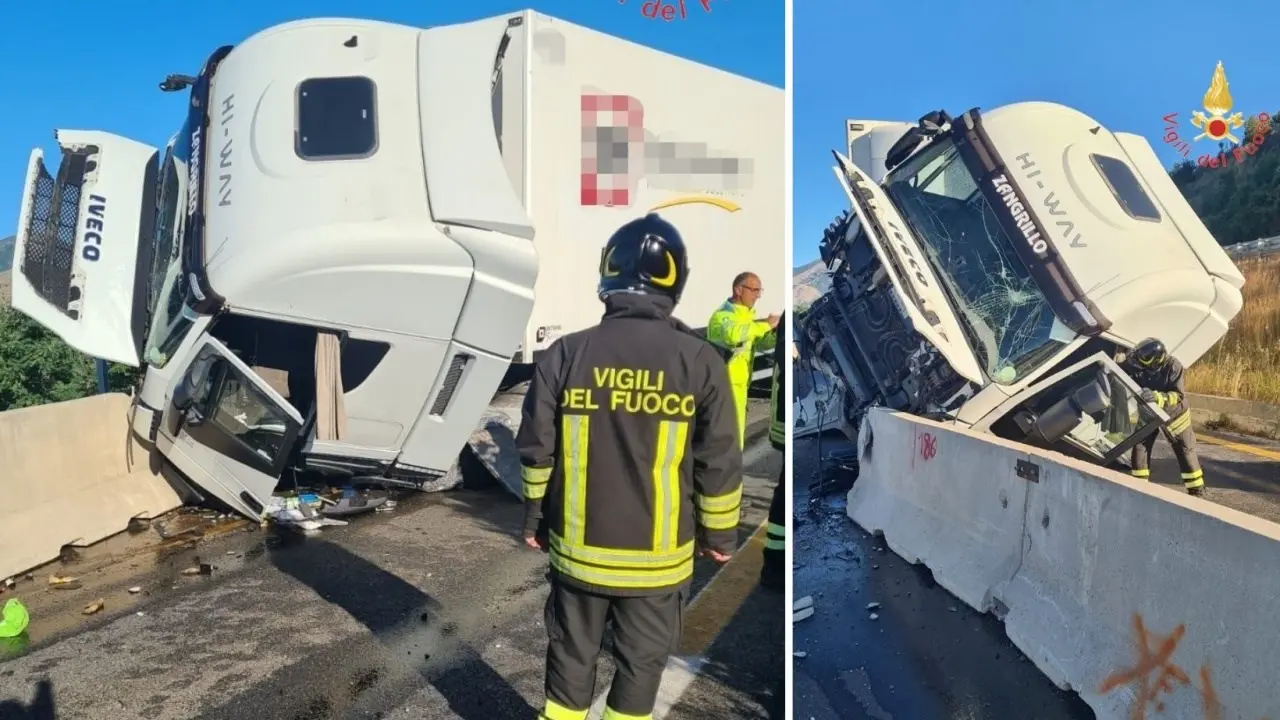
(774, 571)
(1183, 441)
(646, 631)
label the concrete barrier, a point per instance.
(1136, 596)
(1247, 416)
(71, 472)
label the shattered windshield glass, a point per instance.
(171, 317)
(1006, 317)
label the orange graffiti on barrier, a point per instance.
(1155, 674)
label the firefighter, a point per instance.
(774, 575)
(630, 464)
(733, 329)
(1160, 377)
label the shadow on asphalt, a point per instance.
(747, 661)
(40, 708)
(384, 603)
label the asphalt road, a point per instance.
(927, 655)
(430, 611)
(1242, 473)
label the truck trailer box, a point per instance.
(596, 131)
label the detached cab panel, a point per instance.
(84, 240)
(917, 287)
(232, 433)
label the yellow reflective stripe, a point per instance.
(1181, 423)
(731, 500)
(618, 557)
(1140, 473)
(1194, 483)
(611, 714)
(552, 710)
(720, 521)
(535, 482)
(618, 578)
(1172, 397)
(672, 437)
(574, 432)
(720, 512)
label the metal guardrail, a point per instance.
(1257, 248)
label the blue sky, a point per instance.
(100, 71)
(1126, 64)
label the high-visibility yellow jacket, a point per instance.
(734, 329)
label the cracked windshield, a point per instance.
(1006, 318)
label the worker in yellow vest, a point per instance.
(734, 329)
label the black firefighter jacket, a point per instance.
(1167, 383)
(629, 451)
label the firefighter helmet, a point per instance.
(1150, 353)
(646, 255)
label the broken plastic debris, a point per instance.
(873, 606)
(56, 580)
(135, 590)
(874, 616)
(201, 569)
(14, 618)
(804, 614)
(94, 607)
(353, 505)
(800, 654)
(802, 603)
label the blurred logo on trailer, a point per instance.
(618, 152)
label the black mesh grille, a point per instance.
(50, 246)
(451, 379)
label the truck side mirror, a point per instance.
(1061, 418)
(184, 394)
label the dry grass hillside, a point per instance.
(5, 292)
(809, 282)
(1246, 362)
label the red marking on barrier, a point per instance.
(928, 446)
(1155, 673)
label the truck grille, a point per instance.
(49, 251)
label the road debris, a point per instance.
(873, 606)
(201, 569)
(800, 654)
(94, 607)
(135, 590)
(57, 580)
(14, 618)
(802, 609)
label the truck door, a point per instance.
(1091, 409)
(232, 433)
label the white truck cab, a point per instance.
(993, 265)
(329, 266)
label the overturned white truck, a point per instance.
(996, 264)
(333, 266)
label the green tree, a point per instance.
(36, 367)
